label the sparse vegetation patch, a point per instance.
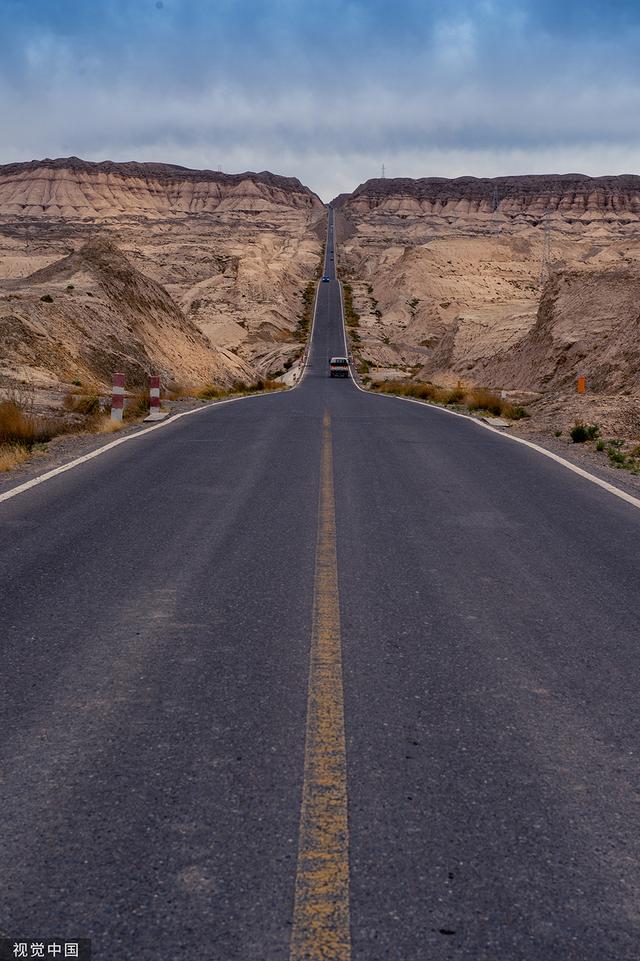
(351, 317)
(304, 320)
(214, 392)
(621, 454)
(475, 400)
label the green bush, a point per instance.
(616, 457)
(582, 432)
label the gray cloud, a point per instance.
(326, 92)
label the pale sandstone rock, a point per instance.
(456, 283)
(231, 253)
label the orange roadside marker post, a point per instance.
(582, 386)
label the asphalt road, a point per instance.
(157, 614)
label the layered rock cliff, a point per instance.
(528, 198)
(73, 188)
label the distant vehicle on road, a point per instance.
(338, 367)
(325, 279)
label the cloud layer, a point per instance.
(325, 91)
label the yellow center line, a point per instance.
(321, 909)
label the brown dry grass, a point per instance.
(105, 425)
(101, 425)
(213, 392)
(175, 391)
(137, 405)
(422, 391)
(86, 404)
(474, 399)
(20, 427)
(12, 455)
(209, 392)
(21, 431)
(485, 400)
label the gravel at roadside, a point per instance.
(584, 456)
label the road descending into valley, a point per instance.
(321, 675)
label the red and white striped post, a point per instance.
(154, 394)
(117, 397)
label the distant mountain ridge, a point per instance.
(534, 194)
(70, 187)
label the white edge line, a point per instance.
(605, 485)
(36, 481)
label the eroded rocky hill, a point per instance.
(231, 253)
(92, 313)
(516, 282)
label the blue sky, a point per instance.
(325, 91)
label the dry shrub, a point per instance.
(137, 405)
(105, 425)
(422, 390)
(14, 424)
(18, 427)
(239, 387)
(450, 395)
(86, 404)
(213, 392)
(481, 399)
(12, 455)
(22, 431)
(264, 384)
(175, 391)
(476, 399)
(210, 392)
(514, 412)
